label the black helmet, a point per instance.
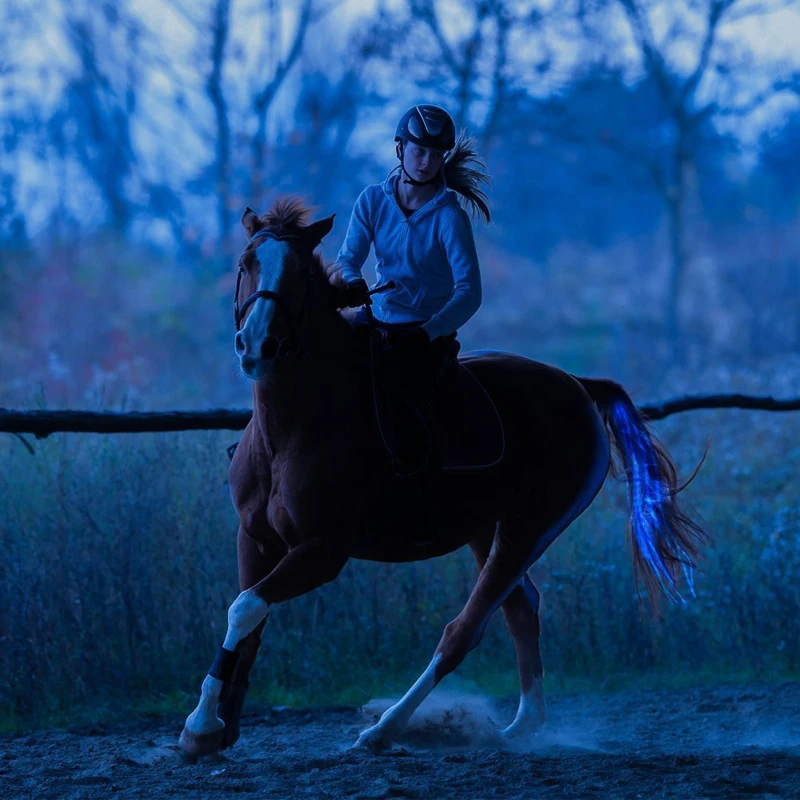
(428, 126)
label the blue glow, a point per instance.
(650, 500)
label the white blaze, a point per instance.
(270, 255)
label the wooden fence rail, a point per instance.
(42, 423)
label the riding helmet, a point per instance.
(428, 126)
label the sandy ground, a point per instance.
(739, 741)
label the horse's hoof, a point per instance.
(373, 739)
(230, 738)
(522, 729)
(202, 744)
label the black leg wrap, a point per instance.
(224, 665)
(230, 711)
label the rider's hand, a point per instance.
(353, 295)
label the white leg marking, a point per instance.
(204, 718)
(531, 714)
(394, 719)
(246, 611)
(244, 614)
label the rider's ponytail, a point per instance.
(465, 179)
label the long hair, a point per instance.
(464, 172)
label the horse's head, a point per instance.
(276, 274)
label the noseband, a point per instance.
(287, 344)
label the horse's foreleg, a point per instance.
(214, 724)
(255, 561)
(521, 612)
(305, 567)
(502, 572)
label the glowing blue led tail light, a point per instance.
(652, 513)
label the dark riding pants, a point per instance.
(414, 368)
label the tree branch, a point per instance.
(425, 10)
(263, 99)
(718, 8)
(786, 85)
(498, 77)
(654, 60)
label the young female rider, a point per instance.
(423, 243)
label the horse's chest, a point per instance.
(284, 509)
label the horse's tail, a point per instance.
(662, 536)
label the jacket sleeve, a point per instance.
(459, 245)
(355, 249)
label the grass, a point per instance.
(119, 564)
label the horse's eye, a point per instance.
(246, 261)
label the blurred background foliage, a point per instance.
(645, 203)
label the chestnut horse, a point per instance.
(313, 485)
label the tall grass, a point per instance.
(119, 561)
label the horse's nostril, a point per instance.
(238, 343)
(270, 347)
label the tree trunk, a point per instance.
(217, 97)
(677, 263)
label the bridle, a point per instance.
(288, 344)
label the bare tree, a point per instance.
(691, 99)
(20, 115)
(477, 65)
(268, 87)
(220, 32)
(99, 101)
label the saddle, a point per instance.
(459, 430)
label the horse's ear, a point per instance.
(250, 222)
(317, 231)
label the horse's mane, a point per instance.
(291, 215)
(287, 215)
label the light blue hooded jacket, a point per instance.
(430, 256)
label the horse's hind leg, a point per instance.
(504, 568)
(521, 612)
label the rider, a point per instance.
(423, 243)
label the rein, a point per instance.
(289, 344)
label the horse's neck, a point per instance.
(310, 391)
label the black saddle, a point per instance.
(457, 429)
(460, 428)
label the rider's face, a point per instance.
(422, 163)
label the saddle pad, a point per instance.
(469, 429)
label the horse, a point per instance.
(313, 486)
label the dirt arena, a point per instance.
(741, 741)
